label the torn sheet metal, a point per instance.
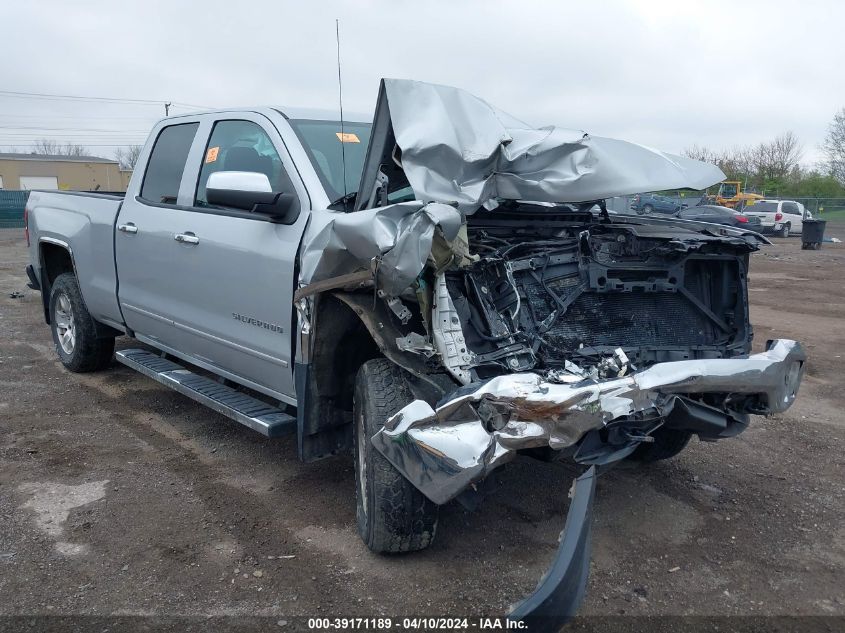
(399, 236)
(444, 450)
(455, 147)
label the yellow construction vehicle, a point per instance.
(730, 194)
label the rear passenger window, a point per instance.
(241, 146)
(167, 163)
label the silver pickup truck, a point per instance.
(437, 288)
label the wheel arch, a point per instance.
(348, 329)
(55, 258)
(339, 344)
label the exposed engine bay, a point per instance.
(562, 328)
(579, 333)
(557, 327)
(573, 293)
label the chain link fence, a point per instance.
(11, 208)
(821, 206)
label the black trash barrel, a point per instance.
(812, 234)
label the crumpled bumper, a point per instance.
(442, 451)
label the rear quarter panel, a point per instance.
(85, 222)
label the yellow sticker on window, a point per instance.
(211, 154)
(347, 137)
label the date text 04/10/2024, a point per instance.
(418, 623)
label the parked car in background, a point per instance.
(720, 215)
(650, 203)
(781, 217)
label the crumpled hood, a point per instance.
(458, 152)
(458, 148)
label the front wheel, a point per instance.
(393, 516)
(74, 331)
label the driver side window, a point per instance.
(241, 146)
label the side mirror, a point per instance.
(251, 191)
(239, 189)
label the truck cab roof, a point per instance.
(289, 112)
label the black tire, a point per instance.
(393, 516)
(645, 209)
(81, 350)
(667, 443)
(784, 231)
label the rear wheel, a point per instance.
(646, 208)
(784, 231)
(393, 516)
(74, 331)
(667, 443)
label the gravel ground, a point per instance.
(119, 497)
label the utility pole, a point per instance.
(167, 109)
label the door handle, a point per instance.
(129, 227)
(186, 238)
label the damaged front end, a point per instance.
(583, 337)
(479, 427)
(538, 325)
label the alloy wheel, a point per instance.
(65, 325)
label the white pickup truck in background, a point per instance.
(781, 217)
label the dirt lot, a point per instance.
(120, 497)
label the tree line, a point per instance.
(774, 167)
(126, 156)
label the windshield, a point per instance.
(326, 145)
(727, 190)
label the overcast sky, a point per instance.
(663, 73)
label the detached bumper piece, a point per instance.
(560, 592)
(479, 427)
